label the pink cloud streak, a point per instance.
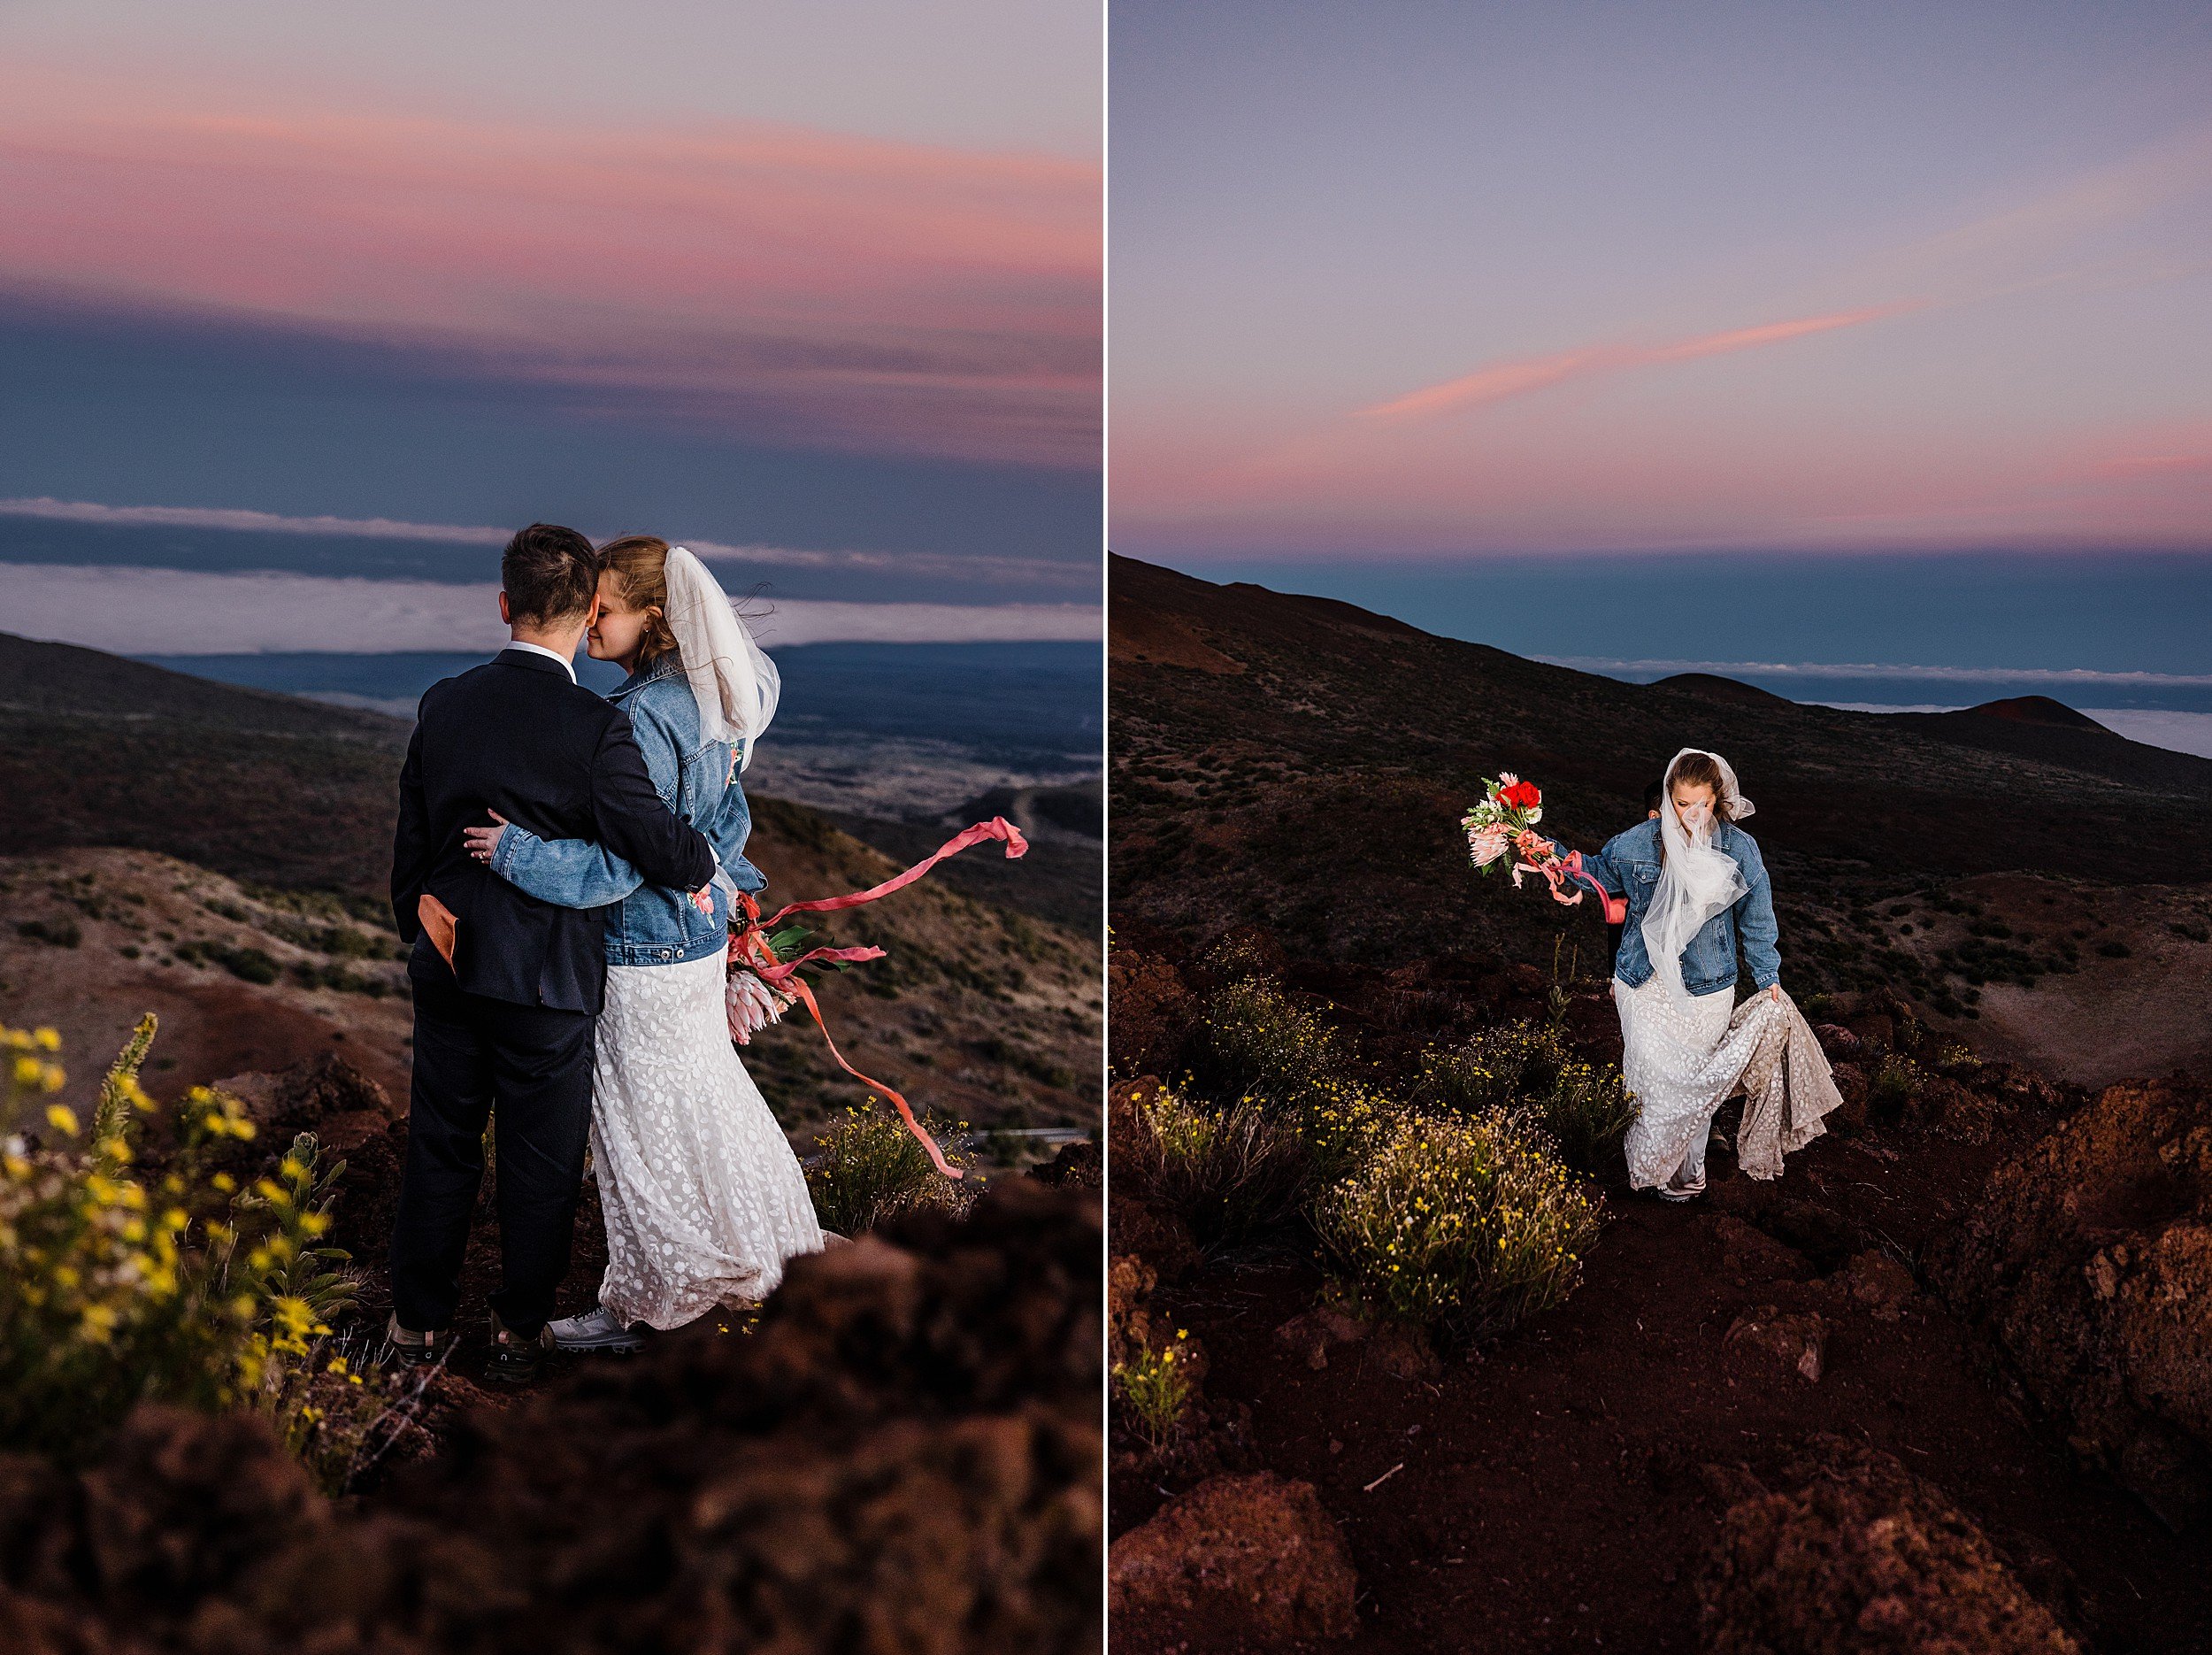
(1501, 381)
(879, 294)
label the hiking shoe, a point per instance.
(596, 1330)
(415, 1349)
(516, 1359)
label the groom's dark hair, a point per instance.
(550, 574)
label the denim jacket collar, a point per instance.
(667, 666)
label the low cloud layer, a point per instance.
(177, 611)
(2057, 676)
(226, 520)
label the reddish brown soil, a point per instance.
(1551, 1495)
(902, 1460)
(213, 1024)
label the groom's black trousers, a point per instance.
(534, 1062)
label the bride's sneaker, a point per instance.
(1672, 1191)
(595, 1330)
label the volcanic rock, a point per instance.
(1879, 1284)
(1153, 1013)
(2089, 1261)
(326, 1096)
(1797, 1340)
(1310, 1334)
(1254, 1557)
(1079, 1166)
(1161, 1238)
(903, 1456)
(1855, 1555)
(1753, 1254)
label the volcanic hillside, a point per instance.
(1300, 765)
(1945, 1385)
(221, 855)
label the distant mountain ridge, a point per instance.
(1284, 760)
(66, 679)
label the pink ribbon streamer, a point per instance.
(748, 947)
(997, 828)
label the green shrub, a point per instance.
(869, 1169)
(253, 964)
(1586, 1112)
(1154, 1390)
(1256, 1039)
(1495, 1068)
(1894, 1086)
(117, 1286)
(1464, 1226)
(1232, 1174)
(1340, 1122)
(55, 933)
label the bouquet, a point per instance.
(1505, 822)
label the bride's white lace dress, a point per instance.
(1684, 1056)
(703, 1199)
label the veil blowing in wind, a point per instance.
(1697, 879)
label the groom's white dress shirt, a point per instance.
(567, 665)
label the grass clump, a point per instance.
(1257, 1040)
(1154, 1390)
(1527, 1069)
(869, 1169)
(1340, 1122)
(249, 964)
(1495, 1068)
(1232, 1174)
(1587, 1111)
(1895, 1086)
(118, 1286)
(1461, 1226)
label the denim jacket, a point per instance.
(1629, 866)
(647, 925)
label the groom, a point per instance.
(506, 987)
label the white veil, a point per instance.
(731, 678)
(1697, 879)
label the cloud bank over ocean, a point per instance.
(177, 611)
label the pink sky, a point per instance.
(1483, 282)
(894, 296)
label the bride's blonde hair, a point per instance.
(639, 563)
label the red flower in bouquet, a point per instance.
(1505, 822)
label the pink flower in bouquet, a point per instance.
(1488, 843)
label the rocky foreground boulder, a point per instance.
(2089, 1261)
(901, 1459)
(1849, 1553)
(1255, 1561)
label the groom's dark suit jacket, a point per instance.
(517, 736)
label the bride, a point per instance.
(703, 1199)
(1695, 884)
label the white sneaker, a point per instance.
(595, 1330)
